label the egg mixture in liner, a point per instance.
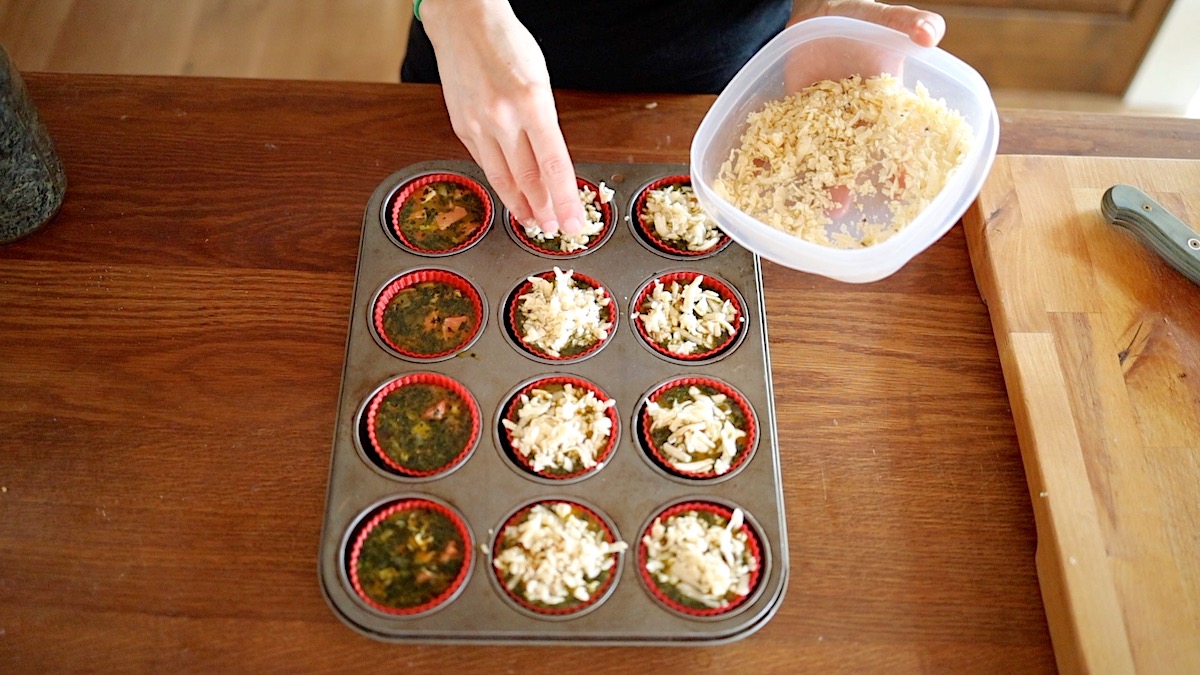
(601, 221)
(667, 215)
(422, 425)
(557, 558)
(697, 428)
(440, 213)
(565, 317)
(701, 559)
(411, 557)
(428, 314)
(559, 427)
(688, 316)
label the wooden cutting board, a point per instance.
(1099, 340)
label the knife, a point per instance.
(1168, 236)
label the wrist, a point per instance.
(434, 10)
(445, 18)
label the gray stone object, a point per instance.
(32, 181)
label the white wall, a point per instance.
(1168, 79)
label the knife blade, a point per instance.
(1127, 206)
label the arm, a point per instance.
(501, 106)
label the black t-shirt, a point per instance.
(670, 46)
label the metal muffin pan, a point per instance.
(628, 490)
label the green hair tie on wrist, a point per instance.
(417, 9)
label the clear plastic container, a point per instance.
(835, 48)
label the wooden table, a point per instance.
(171, 349)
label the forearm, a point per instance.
(501, 106)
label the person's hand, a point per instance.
(922, 27)
(837, 58)
(501, 106)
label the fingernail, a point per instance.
(550, 227)
(572, 226)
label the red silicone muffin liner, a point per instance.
(408, 505)
(550, 248)
(753, 544)
(739, 460)
(647, 229)
(684, 278)
(513, 315)
(413, 186)
(571, 606)
(413, 278)
(510, 413)
(423, 378)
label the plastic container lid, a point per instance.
(845, 47)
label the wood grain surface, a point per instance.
(1100, 344)
(170, 355)
(352, 40)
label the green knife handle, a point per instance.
(1168, 236)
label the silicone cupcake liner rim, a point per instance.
(646, 236)
(391, 287)
(356, 533)
(641, 429)
(755, 542)
(389, 214)
(723, 288)
(390, 465)
(511, 320)
(519, 462)
(608, 214)
(605, 591)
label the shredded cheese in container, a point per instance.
(687, 319)
(552, 555)
(705, 562)
(869, 148)
(593, 222)
(558, 315)
(678, 218)
(562, 428)
(703, 437)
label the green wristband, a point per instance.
(417, 9)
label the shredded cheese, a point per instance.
(561, 428)
(552, 555)
(677, 218)
(593, 222)
(708, 563)
(687, 319)
(868, 145)
(703, 437)
(560, 314)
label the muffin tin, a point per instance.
(485, 486)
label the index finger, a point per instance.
(557, 174)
